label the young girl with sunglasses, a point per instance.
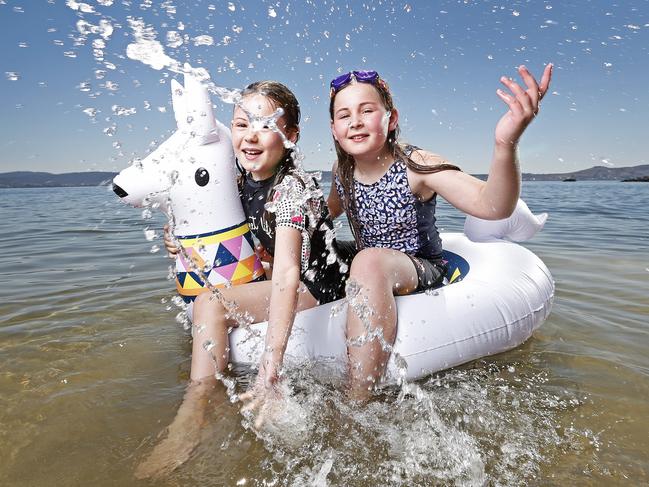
(295, 235)
(388, 192)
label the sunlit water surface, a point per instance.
(93, 365)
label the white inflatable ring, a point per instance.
(501, 292)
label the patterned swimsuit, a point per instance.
(391, 216)
(321, 273)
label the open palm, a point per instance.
(523, 104)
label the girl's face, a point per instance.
(258, 148)
(361, 123)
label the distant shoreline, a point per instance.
(30, 179)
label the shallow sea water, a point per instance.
(93, 365)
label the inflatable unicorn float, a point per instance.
(192, 177)
(496, 294)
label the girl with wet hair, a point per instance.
(297, 236)
(388, 191)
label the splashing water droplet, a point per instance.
(155, 249)
(271, 12)
(203, 40)
(174, 39)
(208, 345)
(149, 234)
(80, 6)
(12, 75)
(122, 111)
(231, 7)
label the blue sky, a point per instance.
(67, 107)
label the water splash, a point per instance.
(480, 425)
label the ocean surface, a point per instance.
(94, 364)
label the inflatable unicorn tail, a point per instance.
(522, 225)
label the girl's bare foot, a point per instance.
(184, 433)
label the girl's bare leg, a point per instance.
(204, 391)
(380, 273)
(210, 328)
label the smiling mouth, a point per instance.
(251, 153)
(358, 138)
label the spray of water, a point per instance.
(472, 426)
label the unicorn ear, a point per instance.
(200, 115)
(179, 103)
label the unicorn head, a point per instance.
(192, 177)
(192, 174)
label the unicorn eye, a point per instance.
(201, 176)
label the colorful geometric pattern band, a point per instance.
(225, 257)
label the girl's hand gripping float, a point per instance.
(192, 178)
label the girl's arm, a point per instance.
(496, 198)
(283, 304)
(283, 301)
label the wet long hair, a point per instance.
(346, 163)
(280, 97)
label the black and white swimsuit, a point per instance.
(323, 270)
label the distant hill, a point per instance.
(28, 179)
(596, 173)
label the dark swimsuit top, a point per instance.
(291, 208)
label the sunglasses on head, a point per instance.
(371, 77)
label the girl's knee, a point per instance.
(206, 304)
(369, 266)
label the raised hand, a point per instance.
(523, 104)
